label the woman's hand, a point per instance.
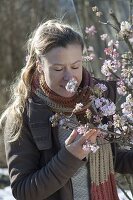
(75, 147)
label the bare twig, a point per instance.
(114, 18)
(130, 11)
(110, 24)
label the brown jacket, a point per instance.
(38, 168)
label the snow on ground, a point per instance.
(4, 171)
(5, 194)
(122, 196)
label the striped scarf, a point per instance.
(103, 184)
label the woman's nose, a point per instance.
(67, 75)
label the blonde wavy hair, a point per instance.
(48, 35)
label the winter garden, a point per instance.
(116, 67)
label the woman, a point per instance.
(48, 162)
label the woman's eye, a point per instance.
(58, 69)
(76, 67)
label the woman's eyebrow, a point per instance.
(64, 64)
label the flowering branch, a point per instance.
(119, 25)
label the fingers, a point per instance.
(91, 135)
(71, 138)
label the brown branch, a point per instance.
(130, 11)
(114, 18)
(109, 23)
(128, 44)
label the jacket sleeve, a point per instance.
(28, 181)
(123, 160)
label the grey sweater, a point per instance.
(79, 179)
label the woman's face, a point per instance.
(60, 65)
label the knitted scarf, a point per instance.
(103, 184)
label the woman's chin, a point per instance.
(66, 94)
(69, 95)
(63, 92)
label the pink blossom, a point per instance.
(115, 65)
(88, 114)
(103, 126)
(63, 121)
(101, 87)
(82, 129)
(113, 45)
(112, 52)
(88, 146)
(90, 49)
(78, 107)
(95, 9)
(99, 14)
(119, 121)
(91, 30)
(71, 85)
(97, 119)
(118, 131)
(109, 66)
(121, 88)
(130, 82)
(104, 36)
(108, 109)
(127, 109)
(105, 68)
(110, 43)
(54, 119)
(89, 57)
(125, 28)
(98, 102)
(124, 128)
(108, 51)
(116, 44)
(129, 99)
(125, 72)
(131, 40)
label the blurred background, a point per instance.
(18, 18)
